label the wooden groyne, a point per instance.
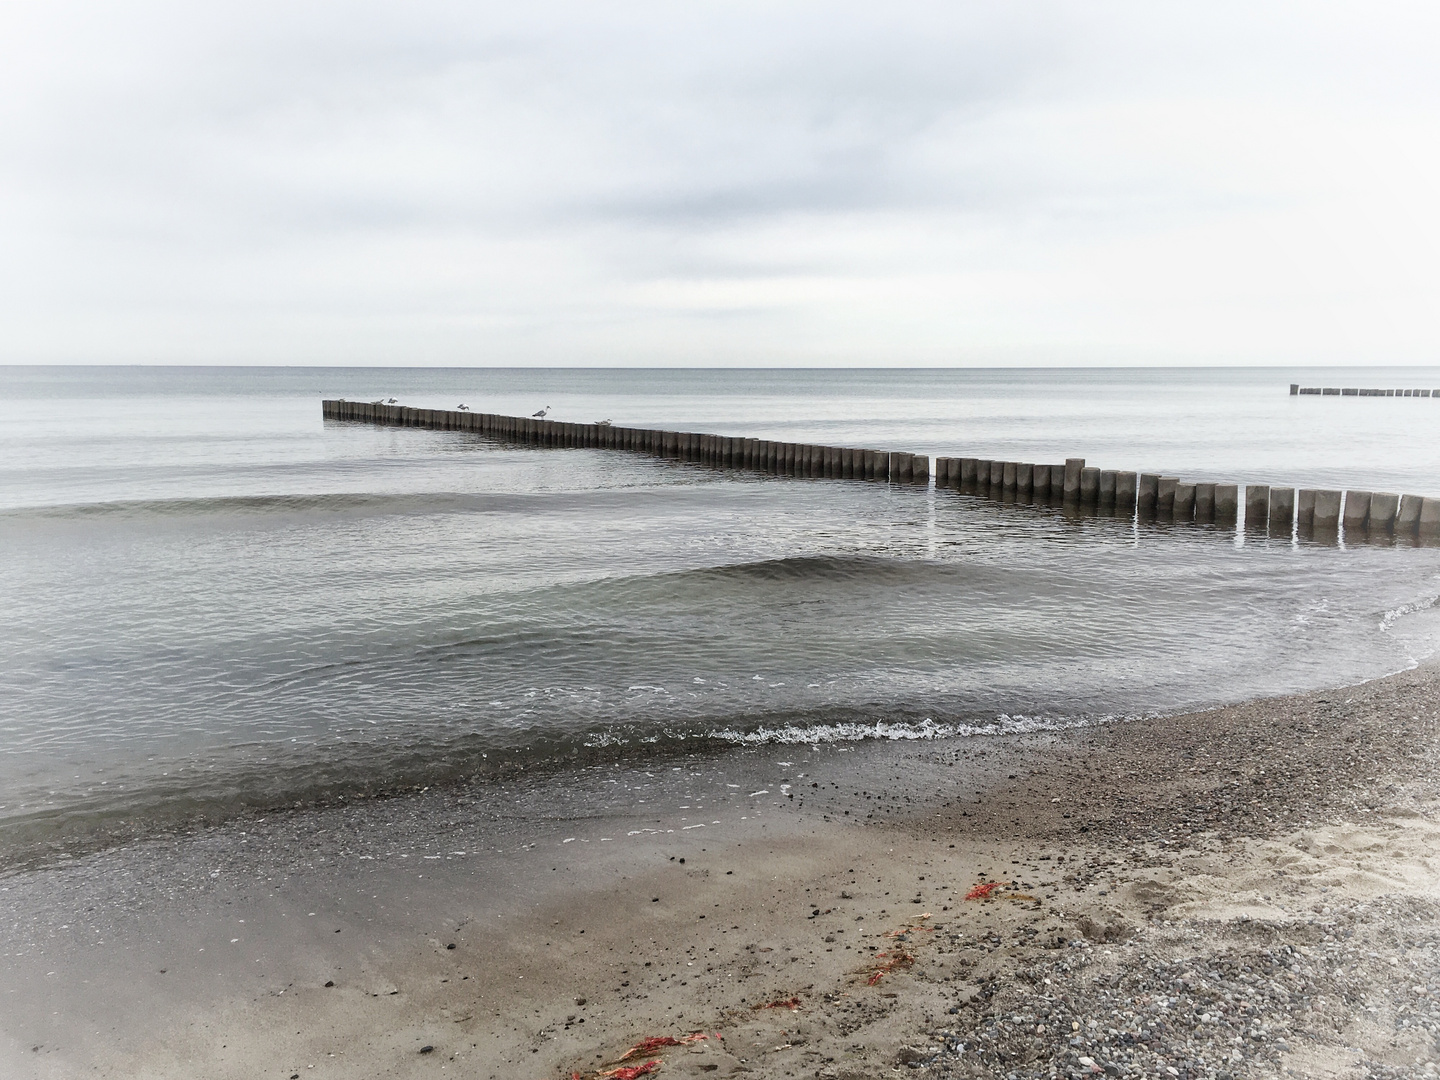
(720, 451)
(1276, 510)
(1358, 391)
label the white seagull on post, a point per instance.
(541, 414)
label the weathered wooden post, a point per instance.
(968, 468)
(1040, 482)
(1089, 486)
(1204, 503)
(1357, 510)
(997, 479)
(1305, 508)
(1327, 510)
(902, 469)
(1282, 510)
(1429, 518)
(1165, 496)
(1127, 490)
(1383, 507)
(1107, 487)
(1407, 518)
(920, 469)
(982, 476)
(1007, 478)
(1184, 503)
(1073, 467)
(1024, 480)
(1257, 508)
(1227, 503)
(1057, 483)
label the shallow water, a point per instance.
(214, 599)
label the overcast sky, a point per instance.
(719, 183)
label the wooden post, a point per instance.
(1383, 507)
(1127, 489)
(1357, 510)
(1430, 518)
(1407, 517)
(1257, 507)
(1073, 466)
(1282, 510)
(1107, 487)
(1227, 503)
(1165, 496)
(1305, 508)
(1204, 503)
(1184, 504)
(1327, 510)
(1040, 482)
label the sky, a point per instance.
(747, 184)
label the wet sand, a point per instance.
(1250, 891)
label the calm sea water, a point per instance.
(213, 599)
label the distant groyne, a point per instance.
(1358, 391)
(1267, 509)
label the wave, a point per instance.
(1389, 618)
(324, 502)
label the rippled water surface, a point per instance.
(213, 598)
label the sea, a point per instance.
(215, 601)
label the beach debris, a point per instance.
(787, 1003)
(906, 930)
(992, 890)
(630, 1072)
(655, 1042)
(427, 1049)
(890, 962)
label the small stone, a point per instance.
(427, 1049)
(579, 1001)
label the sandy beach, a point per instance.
(1248, 891)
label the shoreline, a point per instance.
(1237, 851)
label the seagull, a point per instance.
(541, 414)
(390, 402)
(377, 401)
(463, 408)
(602, 423)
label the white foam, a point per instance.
(1391, 617)
(884, 730)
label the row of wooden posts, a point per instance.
(721, 451)
(1274, 509)
(1358, 391)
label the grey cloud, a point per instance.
(542, 159)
